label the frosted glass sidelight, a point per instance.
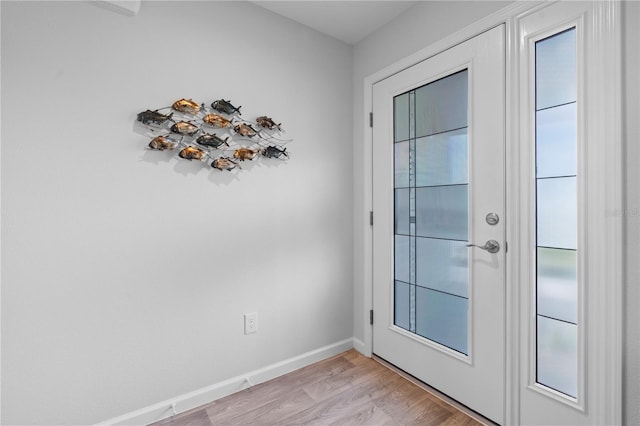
(557, 284)
(441, 212)
(556, 141)
(401, 262)
(401, 164)
(402, 211)
(556, 70)
(441, 106)
(401, 117)
(442, 159)
(442, 318)
(442, 265)
(557, 212)
(558, 355)
(401, 305)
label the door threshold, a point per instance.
(468, 411)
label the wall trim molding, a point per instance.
(124, 7)
(359, 346)
(190, 400)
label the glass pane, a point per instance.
(401, 263)
(556, 168)
(441, 212)
(556, 70)
(431, 200)
(557, 212)
(402, 211)
(442, 159)
(401, 302)
(442, 318)
(556, 141)
(442, 265)
(558, 355)
(557, 284)
(401, 117)
(401, 164)
(441, 106)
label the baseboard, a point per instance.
(125, 7)
(188, 401)
(359, 346)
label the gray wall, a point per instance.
(429, 22)
(126, 272)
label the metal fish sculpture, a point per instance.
(185, 128)
(224, 163)
(161, 143)
(212, 140)
(192, 153)
(268, 123)
(149, 116)
(225, 106)
(186, 105)
(245, 130)
(244, 154)
(273, 152)
(216, 120)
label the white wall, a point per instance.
(125, 272)
(429, 22)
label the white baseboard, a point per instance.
(359, 346)
(186, 402)
(125, 7)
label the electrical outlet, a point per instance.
(250, 323)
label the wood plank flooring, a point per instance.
(347, 389)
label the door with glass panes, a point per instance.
(439, 245)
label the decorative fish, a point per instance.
(268, 123)
(273, 152)
(244, 154)
(245, 130)
(185, 128)
(149, 116)
(225, 106)
(161, 143)
(224, 163)
(193, 142)
(217, 121)
(192, 153)
(186, 105)
(212, 140)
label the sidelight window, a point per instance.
(556, 213)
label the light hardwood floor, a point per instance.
(347, 389)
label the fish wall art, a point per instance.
(216, 135)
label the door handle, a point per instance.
(492, 246)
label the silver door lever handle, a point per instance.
(492, 246)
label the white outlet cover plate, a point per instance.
(250, 323)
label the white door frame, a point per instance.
(606, 226)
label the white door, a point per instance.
(438, 186)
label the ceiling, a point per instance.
(349, 21)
